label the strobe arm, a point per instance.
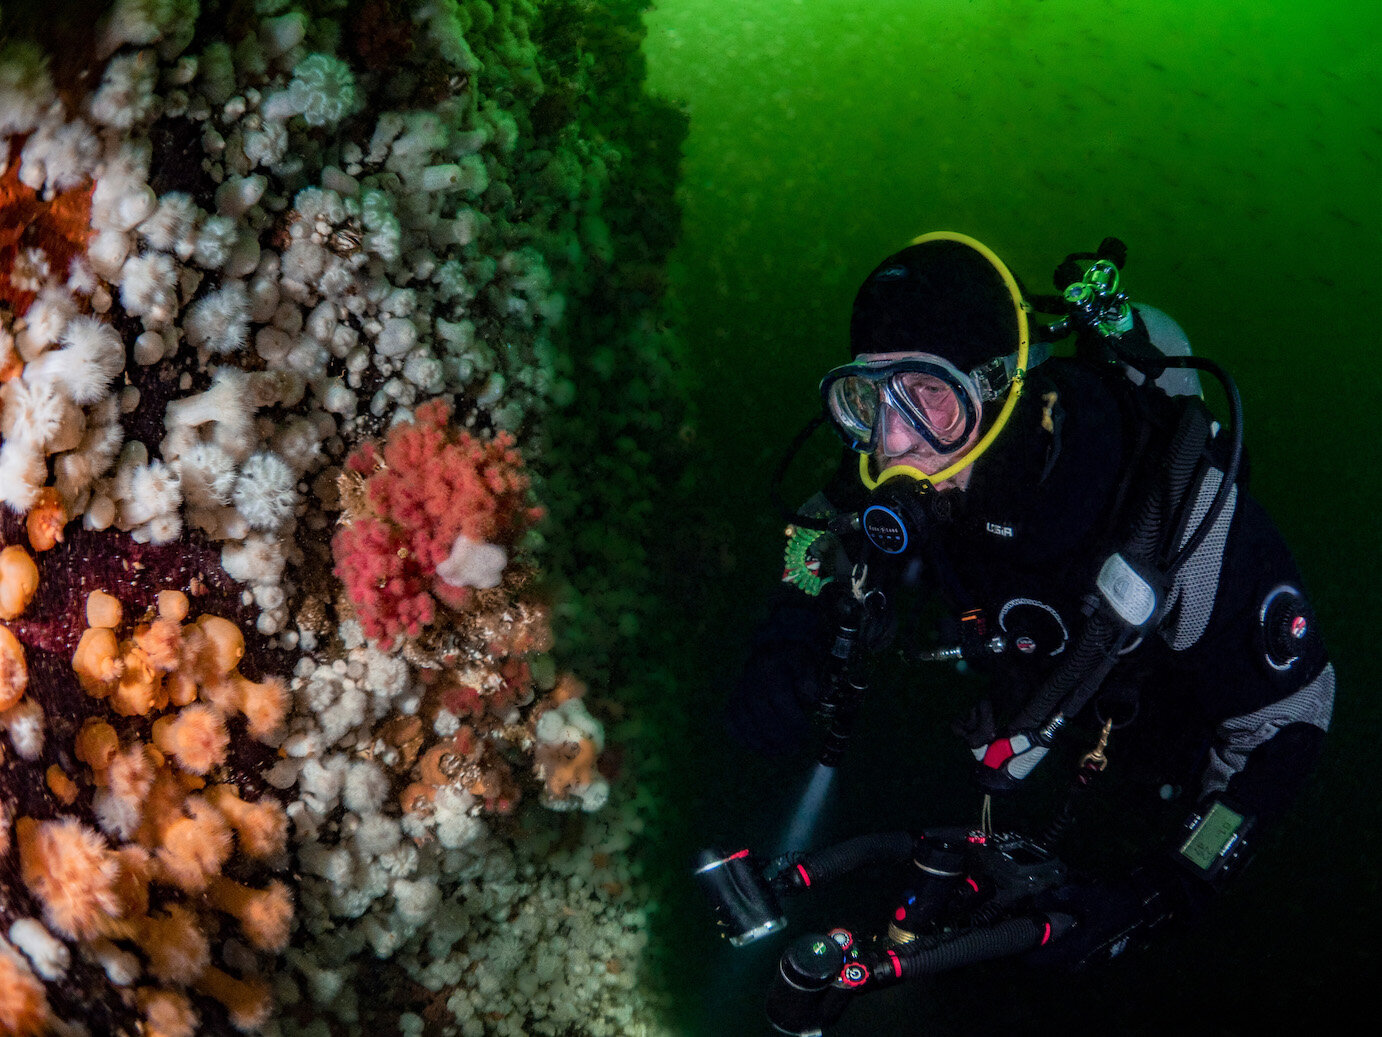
(1012, 936)
(801, 871)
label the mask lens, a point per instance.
(854, 405)
(935, 401)
(926, 393)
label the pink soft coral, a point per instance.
(430, 484)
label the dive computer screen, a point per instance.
(1212, 836)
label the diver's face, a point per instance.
(900, 444)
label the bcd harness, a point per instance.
(1129, 600)
(1166, 526)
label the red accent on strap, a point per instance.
(972, 884)
(1045, 936)
(804, 877)
(897, 963)
(998, 753)
(735, 856)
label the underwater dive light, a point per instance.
(845, 678)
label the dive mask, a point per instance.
(939, 402)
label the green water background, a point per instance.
(1237, 149)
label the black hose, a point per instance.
(1053, 835)
(1230, 477)
(1096, 649)
(1187, 445)
(1091, 648)
(974, 945)
(834, 861)
(780, 473)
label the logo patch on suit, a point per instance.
(1033, 627)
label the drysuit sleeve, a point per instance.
(1248, 651)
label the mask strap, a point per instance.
(995, 377)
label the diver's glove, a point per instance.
(1109, 917)
(771, 705)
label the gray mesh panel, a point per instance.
(1197, 581)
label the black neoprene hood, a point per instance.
(940, 297)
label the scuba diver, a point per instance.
(1077, 529)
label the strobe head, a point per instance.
(809, 992)
(746, 908)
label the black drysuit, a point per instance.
(1203, 706)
